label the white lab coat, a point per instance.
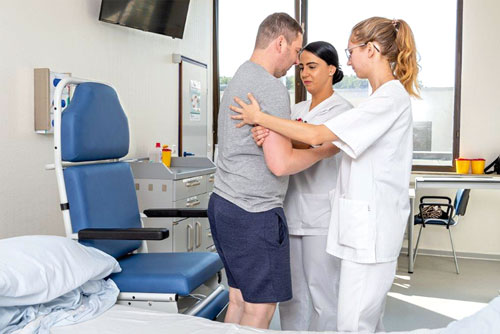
(307, 209)
(370, 204)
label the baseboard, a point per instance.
(462, 255)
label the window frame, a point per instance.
(301, 94)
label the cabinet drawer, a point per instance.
(190, 202)
(210, 182)
(189, 187)
(198, 202)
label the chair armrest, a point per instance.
(435, 197)
(174, 213)
(123, 233)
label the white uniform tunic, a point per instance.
(307, 205)
(370, 205)
(307, 208)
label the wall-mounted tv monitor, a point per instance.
(167, 17)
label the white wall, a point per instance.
(66, 36)
(479, 230)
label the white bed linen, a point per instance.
(84, 303)
(128, 320)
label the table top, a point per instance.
(458, 181)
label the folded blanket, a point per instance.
(84, 303)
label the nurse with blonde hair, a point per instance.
(370, 205)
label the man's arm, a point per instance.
(282, 159)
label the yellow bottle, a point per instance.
(166, 155)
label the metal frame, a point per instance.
(58, 163)
(301, 9)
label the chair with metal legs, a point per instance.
(438, 210)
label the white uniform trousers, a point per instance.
(363, 291)
(314, 303)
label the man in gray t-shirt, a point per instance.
(243, 177)
(246, 210)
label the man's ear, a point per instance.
(280, 43)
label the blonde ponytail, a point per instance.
(406, 67)
(397, 44)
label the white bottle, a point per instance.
(155, 154)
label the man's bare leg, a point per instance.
(236, 306)
(258, 315)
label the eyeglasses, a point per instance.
(348, 51)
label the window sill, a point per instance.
(433, 169)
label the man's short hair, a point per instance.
(275, 25)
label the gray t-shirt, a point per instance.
(242, 175)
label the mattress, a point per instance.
(124, 320)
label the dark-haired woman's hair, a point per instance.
(328, 53)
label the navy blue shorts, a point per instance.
(254, 248)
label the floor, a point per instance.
(434, 295)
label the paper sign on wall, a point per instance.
(195, 93)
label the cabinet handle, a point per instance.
(190, 244)
(211, 178)
(198, 234)
(190, 204)
(192, 183)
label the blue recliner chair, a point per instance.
(99, 206)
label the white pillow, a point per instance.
(36, 269)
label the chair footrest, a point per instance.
(215, 306)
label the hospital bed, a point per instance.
(128, 320)
(99, 206)
(88, 309)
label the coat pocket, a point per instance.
(356, 224)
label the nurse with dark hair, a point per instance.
(307, 204)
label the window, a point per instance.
(434, 26)
(437, 27)
(238, 24)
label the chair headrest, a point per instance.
(94, 125)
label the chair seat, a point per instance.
(176, 273)
(434, 221)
